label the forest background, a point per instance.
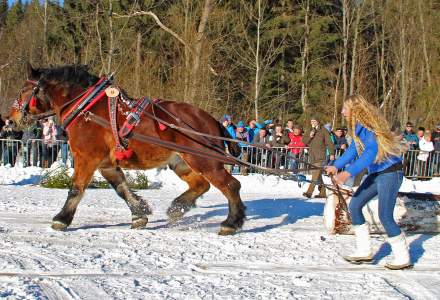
(251, 59)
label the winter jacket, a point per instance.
(425, 147)
(261, 140)
(279, 141)
(28, 134)
(231, 130)
(296, 145)
(318, 144)
(340, 141)
(33, 132)
(50, 134)
(368, 156)
(242, 136)
(253, 132)
(436, 140)
(10, 133)
(412, 139)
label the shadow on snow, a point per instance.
(290, 210)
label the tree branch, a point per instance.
(161, 25)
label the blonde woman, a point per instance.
(375, 148)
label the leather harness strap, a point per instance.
(90, 98)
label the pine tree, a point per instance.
(3, 12)
(15, 14)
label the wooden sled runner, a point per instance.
(414, 212)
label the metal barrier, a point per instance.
(282, 158)
(34, 153)
(422, 164)
(9, 152)
(413, 167)
(37, 153)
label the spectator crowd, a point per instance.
(39, 143)
(43, 142)
(321, 143)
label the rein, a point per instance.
(193, 131)
(210, 154)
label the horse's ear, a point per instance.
(31, 72)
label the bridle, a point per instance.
(33, 99)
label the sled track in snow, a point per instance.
(269, 268)
(223, 268)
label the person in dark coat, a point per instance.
(318, 140)
(341, 143)
(410, 136)
(11, 146)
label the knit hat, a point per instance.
(225, 118)
(241, 124)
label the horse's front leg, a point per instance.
(84, 169)
(139, 207)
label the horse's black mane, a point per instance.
(69, 74)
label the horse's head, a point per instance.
(47, 91)
(32, 99)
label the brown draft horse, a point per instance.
(93, 148)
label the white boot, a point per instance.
(400, 252)
(363, 245)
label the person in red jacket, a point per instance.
(296, 146)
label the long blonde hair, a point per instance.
(369, 117)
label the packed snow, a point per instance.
(282, 252)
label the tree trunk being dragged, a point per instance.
(414, 212)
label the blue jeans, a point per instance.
(385, 186)
(64, 152)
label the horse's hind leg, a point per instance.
(197, 186)
(216, 174)
(139, 207)
(84, 169)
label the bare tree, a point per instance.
(198, 47)
(424, 42)
(354, 52)
(304, 55)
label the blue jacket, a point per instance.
(411, 137)
(368, 156)
(231, 130)
(254, 131)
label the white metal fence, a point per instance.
(35, 152)
(284, 158)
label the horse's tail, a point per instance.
(233, 148)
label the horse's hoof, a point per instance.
(227, 230)
(59, 226)
(175, 213)
(139, 223)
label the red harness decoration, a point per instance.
(81, 100)
(33, 102)
(94, 94)
(123, 154)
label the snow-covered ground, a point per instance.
(282, 252)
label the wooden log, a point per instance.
(414, 212)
